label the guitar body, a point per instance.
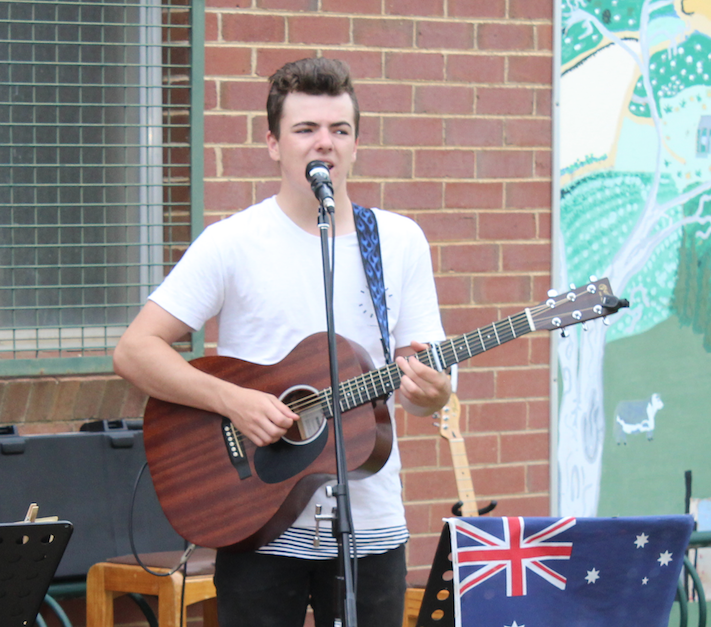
(213, 502)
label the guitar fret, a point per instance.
(358, 391)
(493, 326)
(493, 341)
(326, 400)
(372, 389)
(481, 340)
(394, 385)
(429, 358)
(437, 362)
(446, 362)
(466, 341)
(373, 386)
(512, 326)
(349, 399)
(504, 331)
(383, 386)
(345, 396)
(363, 389)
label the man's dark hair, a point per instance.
(316, 77)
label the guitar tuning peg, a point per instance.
(585, 326)
(606, 321)
(593, 278)
(565, 332)
(572, 286)
(552, 293)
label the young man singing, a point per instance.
(260, 272)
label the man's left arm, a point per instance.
(423, 390)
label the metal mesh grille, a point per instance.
(95, 167)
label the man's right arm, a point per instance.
(145, 357)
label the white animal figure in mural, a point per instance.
(636, 417)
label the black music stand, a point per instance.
(29, 555)
(437, 609)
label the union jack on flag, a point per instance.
(560, 572)
(514, 554)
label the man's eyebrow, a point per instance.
(314, 124)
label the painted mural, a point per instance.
(634, 156)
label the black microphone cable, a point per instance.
(182, 563)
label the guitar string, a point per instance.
(358, 386)
(503, 330)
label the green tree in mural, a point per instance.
(686, 276)
(637, 224)
(692, 292)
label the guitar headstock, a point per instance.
(449, 418)
(594, 300)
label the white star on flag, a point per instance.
(645, 581)
(641, 540)
(514, 624)
(665, 558)
(592, 576)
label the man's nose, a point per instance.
(324, 141)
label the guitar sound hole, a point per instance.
(304, 400)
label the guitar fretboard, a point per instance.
(381, 382)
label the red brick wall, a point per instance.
(456, 133)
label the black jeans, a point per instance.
(256, 590)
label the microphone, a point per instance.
(317, 173)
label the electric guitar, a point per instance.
(448, 418)
(218, 489)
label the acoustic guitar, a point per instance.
(218, 489)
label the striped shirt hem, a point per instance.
(299, 542)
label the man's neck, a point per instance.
(303, 211)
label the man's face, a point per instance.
(314, 127)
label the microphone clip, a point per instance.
(318, 174)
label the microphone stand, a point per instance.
(342, 526)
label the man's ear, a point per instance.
(273, 147)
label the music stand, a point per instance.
(437, 609)
(29, 556)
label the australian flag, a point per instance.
(567, 572)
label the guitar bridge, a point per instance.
(235, 449)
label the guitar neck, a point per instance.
(383, 381)
(463, 477)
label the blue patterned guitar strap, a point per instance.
(369, 242)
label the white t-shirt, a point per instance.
(262, 276)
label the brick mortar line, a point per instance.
(375, 16)
(501, 497)
(369, 179)
(414, 149)
(395, 115)
(469, 434)
(359, 47)
(348, 47)
(396, 81)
